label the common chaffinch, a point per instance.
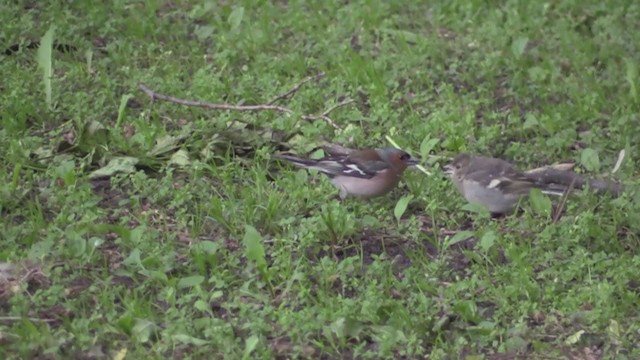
(361, 173)
(494, 183)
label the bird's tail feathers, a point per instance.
(294, 160)
(321, 166)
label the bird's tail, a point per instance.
(305, 163)
(563, 179)
(294, 160)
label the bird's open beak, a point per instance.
(449, 169)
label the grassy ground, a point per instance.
(197, 245)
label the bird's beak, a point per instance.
(449, 169)
(413, 161)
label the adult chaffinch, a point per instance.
(361, 173)
(494, 183)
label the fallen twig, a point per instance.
(259, 107)
(324, 116)
(18, 318)
(297, 87)
(221, 106)
(563, 201)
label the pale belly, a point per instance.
(492, 199)
(363, 188)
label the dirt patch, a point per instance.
(111, 196)
(13, 276)
(283, 347)
(55, 314)
(77, 286)
(373, 243)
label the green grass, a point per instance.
(199, 246)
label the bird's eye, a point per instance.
(404, 157)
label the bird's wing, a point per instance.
(504, 178)
(359, 164)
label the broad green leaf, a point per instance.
(477, 209)
(467, 309)
(180, 158)
(516, 344)
(338, 327)
(125, 322)
(250, 345)
(143, 330)
(235, 18)
(318, 154)
(123, 164)
(165, 144)
(190, 281)
(531, 121)
(121, 109)
(484, 328)
(154, 274)
(536, 73)
(254, 250)
(207, 246)
(614, 330)
(76, 243)
(476, 357)
(43, 154)
(40, 249)
(370, 221)
(540, 202)
(442, 321)
(518, 45)
(573, 339)
(121, 354)
(187, 339)
(401, 206)
(216, 295)
(94, 133)
(204, 32)
(66, 171)
(45, 62)
(460, 236)
(487, 240)
(590, 159)
(94, 127)
(133, 259)
(137, 233)
(119, 230)
(427, 145)
(408, 36)
(202, 305)
(95, 242)
(352, 327)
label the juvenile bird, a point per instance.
(362, 173)
(494, 183)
